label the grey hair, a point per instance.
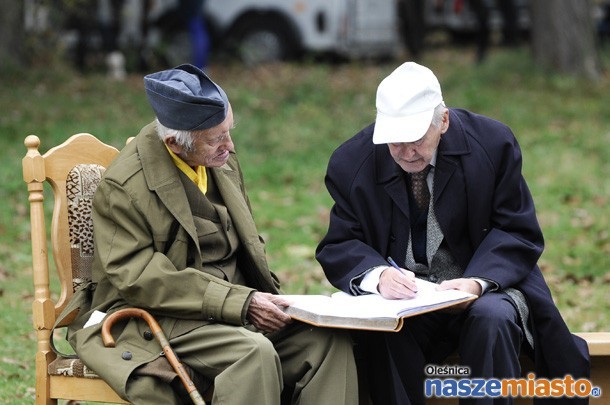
(439, 112)
(183, 138)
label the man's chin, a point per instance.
(414, 167)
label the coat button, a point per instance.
(148, 335)
(433, 278)
(126, 356)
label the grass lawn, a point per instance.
(289, 118)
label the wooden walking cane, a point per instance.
(158, 332)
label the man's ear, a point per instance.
(445, 123)
(171, 143)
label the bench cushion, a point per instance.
(70, 367)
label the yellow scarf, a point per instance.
(198, 177)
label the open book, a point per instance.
(371, 312)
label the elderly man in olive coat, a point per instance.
(174, 235)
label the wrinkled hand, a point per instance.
(462, 284)
(395, 284)
(264, 312)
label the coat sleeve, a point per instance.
(347, 250)
(129, 257)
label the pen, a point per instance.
(393, 263)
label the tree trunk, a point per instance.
(563, 37)
(11, 33)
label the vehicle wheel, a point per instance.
(265, 41)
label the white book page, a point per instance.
(373, 305)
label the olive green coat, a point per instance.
(147, 256)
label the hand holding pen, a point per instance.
(397, 284)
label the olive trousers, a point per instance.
(300, 364)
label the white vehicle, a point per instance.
(265, 30)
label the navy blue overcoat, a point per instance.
(483, 206)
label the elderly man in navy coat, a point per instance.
(440, 190)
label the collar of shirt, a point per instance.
(198, 176)
(433, 160)
(430, 178)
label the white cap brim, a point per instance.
(399, 129)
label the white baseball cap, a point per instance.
(406, 100)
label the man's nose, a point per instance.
(407, 151)
(226, 140)
(228, 143)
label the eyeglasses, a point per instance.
(419, 142)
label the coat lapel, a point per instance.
(449, 187)
(229, 186)
(162, 177)
(452, 145)
(390, 174)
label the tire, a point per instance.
(265, 40)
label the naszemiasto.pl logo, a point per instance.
(530, 387)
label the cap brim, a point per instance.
(389, 129)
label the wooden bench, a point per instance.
(599, 349)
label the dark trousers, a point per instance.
(487, 337)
